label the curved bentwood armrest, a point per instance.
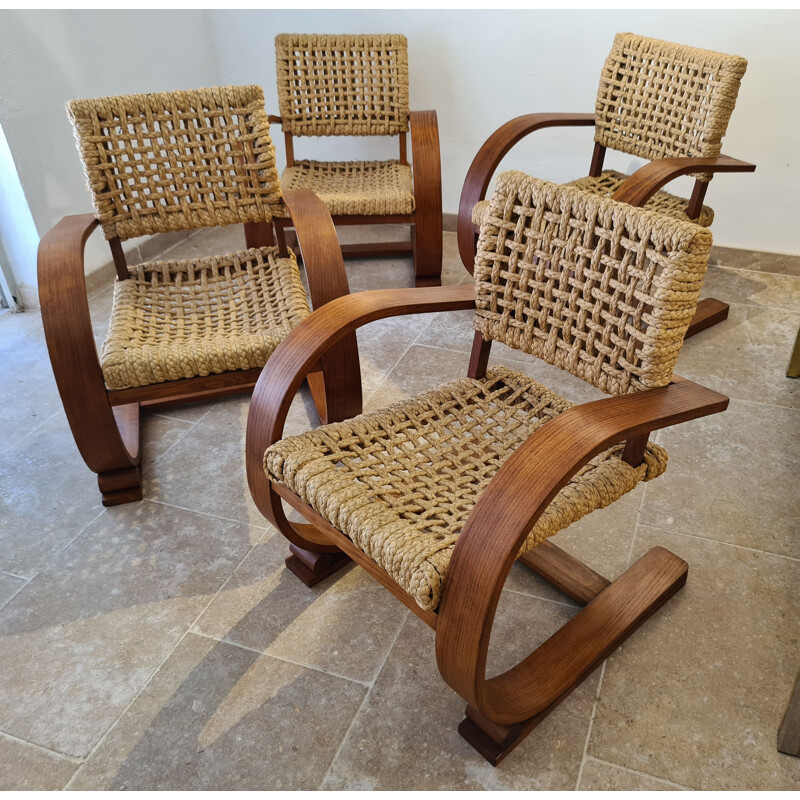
(647, 180)
(301, 351)
(495, 530)
(73, 353)
(485, 163)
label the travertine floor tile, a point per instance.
(405, 735)
(696, 695)
(205, 470)
(81, 639)
(344, 625)
(753, 287)
(47, 497)
(9, 586)
(24, 767)
(598, 775)
(218, 717)
(28, 393)
(16, 325)
(732, 477)
(158, 434)
(746, 356)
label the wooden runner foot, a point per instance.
(577, 648)
(709, 312)
(312, 568)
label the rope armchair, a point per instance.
(180, 330)
(358, 86)
(656, 100)
(437, 496)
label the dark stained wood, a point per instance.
(647, 180)
(127, 419)
(565, 572)
(373, 249)
(479, 356)
(789, 731)
(793, 370)
(598, 157)
(312, 568)
(70, 342)
(288, 141)
(577, 648)
(507, 509)
(170, 393)
(696, 200)
(258, 234)
(403, 149)
(426, 236)
(633, 453)
(118, 254)
(327, 280)
(709, 312)
(486, 161)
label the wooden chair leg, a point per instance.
(574, 651)
(709, 312)
(311, 567)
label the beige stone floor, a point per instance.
(163, 644)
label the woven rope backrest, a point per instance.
(177, 160)
(342, 85)
(599, 288)
(660, 100)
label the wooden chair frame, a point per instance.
(425, 244)
(640, 186)
(503, 710)
(104, 422)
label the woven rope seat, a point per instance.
(401, 482)
(354, 188)
(183, 319)
(605, 184)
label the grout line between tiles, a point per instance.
(33, 745)
(591, 724)
(223, 640)
(158, 668)
(719, 541)
(30, 432)
(174, 444)
(363, 702)
(639, 773)
(574, 606)
(19, 589)
(205, 514)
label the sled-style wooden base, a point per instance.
(586, 640)
(312, 568)
(709, 312)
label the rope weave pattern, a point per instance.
(351, 188)
(342, 85)
(182, 319)
(605, 185)
(599, 288)
(658, 100)
(177, 160)
(401, 482)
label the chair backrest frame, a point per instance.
(601, 289)
(182, 160)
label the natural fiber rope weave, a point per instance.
(658, 99)
(599, 288)
(342, 85)
(401, 482)
(182, 319)
(177, 160)
(351, 188)
(605, 184)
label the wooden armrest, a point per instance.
(509, 507)
(309, 341)
(647, 180)
(485, 163)
(70, 342)
(274, 120)
(427, 176)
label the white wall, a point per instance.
(50, 57)
(476, 68)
